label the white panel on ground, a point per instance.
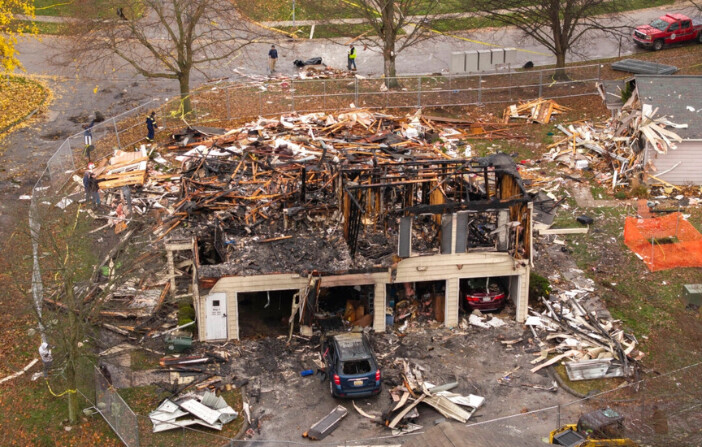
(471, 61)
(458, 62)
(216, 316)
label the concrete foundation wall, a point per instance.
(450, 268)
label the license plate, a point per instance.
(358, 383)
(486, 299)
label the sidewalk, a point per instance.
(359, 20)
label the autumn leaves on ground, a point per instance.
(20, 97)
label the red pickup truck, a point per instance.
(667, 29)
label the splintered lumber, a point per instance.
(571, 353)
(546, 231)
(396, 420)
(447, 408)
(539, 111)
(124, 179)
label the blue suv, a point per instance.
(350, 366)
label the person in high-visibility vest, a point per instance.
(352, 58)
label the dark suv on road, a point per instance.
(350, 365)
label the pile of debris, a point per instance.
(615, 148)
(207, 409)
(318, 177)
(536, 111)
(596, 347)
(403, 409)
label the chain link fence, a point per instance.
(221, 103)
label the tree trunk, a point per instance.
(389, 61)
(184, 81)
(389, 37)
(561, 74)
(71, 367)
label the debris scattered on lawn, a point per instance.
(580, 336)
(536, 111)
(208, 410)
(614, 149)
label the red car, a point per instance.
(668, 29)
(483, 294)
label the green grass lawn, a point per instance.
(66, 8)
(47, 28)
(53, 7)
(270, 10)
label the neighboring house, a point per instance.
(679, 98)
(414, 225)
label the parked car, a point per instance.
(351, 367)
(668, 29)
(483, 294)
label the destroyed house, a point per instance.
(679, 100)
(294, 229)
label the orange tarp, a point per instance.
(647, 238)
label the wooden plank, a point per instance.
(564, 231)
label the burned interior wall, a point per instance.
(380, 199)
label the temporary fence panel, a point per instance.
(115, 411)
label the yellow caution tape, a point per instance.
(270, 28)
(51, 6)
(58, 395)
(484, 43)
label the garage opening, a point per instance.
(421, 301)
(264, 314)
(345, 306)
(486, 294)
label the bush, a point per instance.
(186, 314)
(539, 286)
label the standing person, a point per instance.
(352, 57)
(88, 133)
(151, 126)
(88, 138)
(94, 189)
(46, 358)
(272, 59)
(87, 185)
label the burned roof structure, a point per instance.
(315, 193)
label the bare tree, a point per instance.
(74, 290)
(159, 38)
(556, 24)
(395, 25)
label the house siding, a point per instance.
(688, 172)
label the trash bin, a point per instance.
(389, 320)
(692, 295)
(179, 343)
